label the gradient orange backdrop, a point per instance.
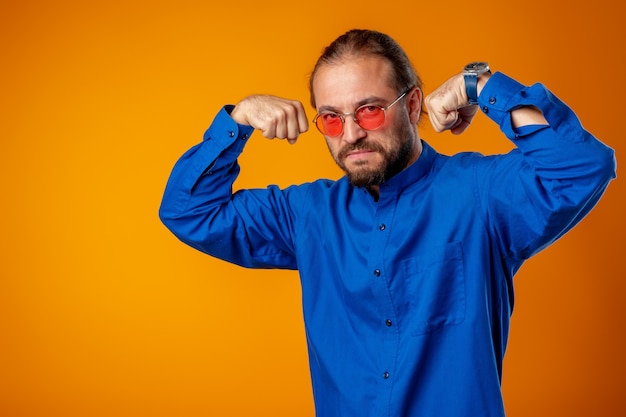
(104, 313)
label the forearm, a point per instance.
(203, 176)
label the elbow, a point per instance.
(181, 228)
(171, 219)
(190, 227)
(598, 166)
(165, 215)
(611, 166)
(598, 179)
(606, 168)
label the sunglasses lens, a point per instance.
(370, 117)
(329, 124)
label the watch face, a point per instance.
(477, 67)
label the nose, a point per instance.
(352, 132)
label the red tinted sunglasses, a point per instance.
(368, 116)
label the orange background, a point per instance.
(104, 313)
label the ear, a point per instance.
(414, 104)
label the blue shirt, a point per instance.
(406, 299)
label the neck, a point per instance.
(374, 190)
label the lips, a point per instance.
(358, 153)
(359, 149)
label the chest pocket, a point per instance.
(436, 287)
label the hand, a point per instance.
(275, 117)
(448, 106)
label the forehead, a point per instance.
(351, 80)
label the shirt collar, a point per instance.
(413, 172)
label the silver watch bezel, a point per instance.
(476, 68)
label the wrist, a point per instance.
(482, 80)
(238, 115)
(472, 74)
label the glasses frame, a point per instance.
(342, 116)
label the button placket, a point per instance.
(380, 235)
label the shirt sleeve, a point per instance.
(199, 207)
(554, 177)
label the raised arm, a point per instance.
(250, 228)
(558, 169)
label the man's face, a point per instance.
(367, 157)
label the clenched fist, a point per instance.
(275, 117)
(448, 107)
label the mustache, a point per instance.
(343, 152)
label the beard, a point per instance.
(395, 159)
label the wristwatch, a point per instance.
(471, 72)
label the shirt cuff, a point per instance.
(501, 95)
(224, 131)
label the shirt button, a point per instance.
(388, 323)
(492, 100)
(386, 375)
(231, 134)
(485, 109)
(382, 227)
(377, 272)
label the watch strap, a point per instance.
(471, 72)
(471, 87)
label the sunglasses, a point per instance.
(368, 116)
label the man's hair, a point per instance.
(360, 42)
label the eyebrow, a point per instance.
(368, 100)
